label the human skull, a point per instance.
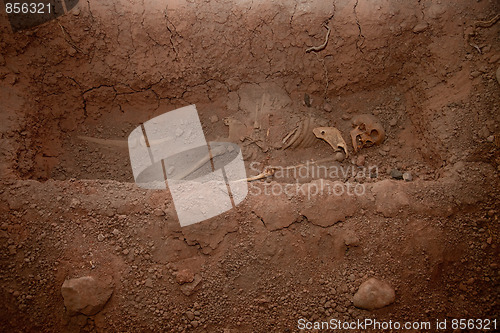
(367, 131)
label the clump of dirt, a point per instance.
(419, 211)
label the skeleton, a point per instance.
(267, 172)
(333, 137)
(302, 135)
(238, 131)
(214, 152)
(271, 170)
(367, 131)
(217, 151)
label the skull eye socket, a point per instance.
(374, 134)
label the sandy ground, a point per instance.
(427, 71)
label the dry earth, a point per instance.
(428, 70)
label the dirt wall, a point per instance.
(73, 88)
(128, 62)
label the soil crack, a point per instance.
(361, 38)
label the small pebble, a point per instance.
(494, 58)
(484, 132)
(148, 283)
(396, 174)
(360, 160)
(407, 177)
(190, 315)
(420, 27)
(307, 100)
(475, 74)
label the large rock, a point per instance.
(374, 294)
(86, 294)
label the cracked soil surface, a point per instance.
(427, 70)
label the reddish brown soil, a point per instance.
(69, 207)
